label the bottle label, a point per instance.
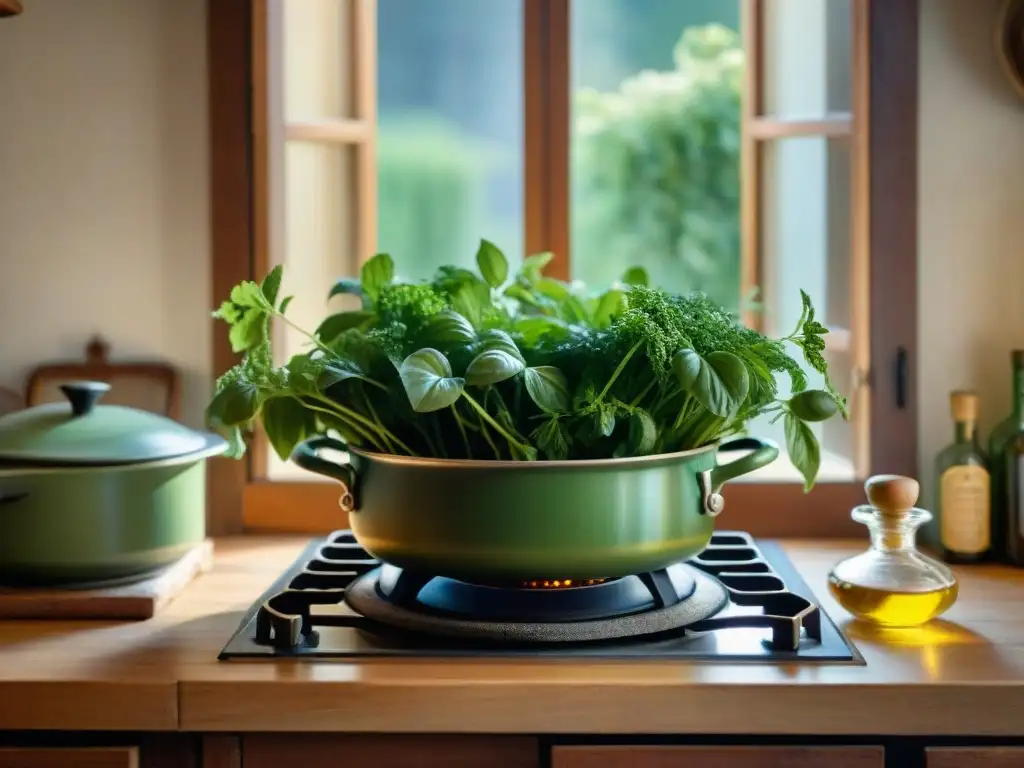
(964, 514)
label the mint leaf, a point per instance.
(533, 266)
(272, 285)
(248, 294)
(249, 330)
(553, 439)
(236, 403)
(284, 304)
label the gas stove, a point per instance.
(739, 600)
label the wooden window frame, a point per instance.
(882, 127)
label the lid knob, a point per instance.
(83, 395)
(892, 494)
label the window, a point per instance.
(732, 146)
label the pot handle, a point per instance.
(306, 456)
(763, 453)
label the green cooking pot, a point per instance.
(496, 521)
(97, 492)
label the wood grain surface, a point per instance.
(141, 600)
(962, 675)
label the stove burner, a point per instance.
(729, 585)
(444, 597)
(626, 607)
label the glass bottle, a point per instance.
(962, 529)
(1013, 478)
(997, 441)
(892, 584)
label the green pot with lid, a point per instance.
(97, 493)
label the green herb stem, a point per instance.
(618, 370)
(495, 425)
(376, 418)
(462, 431)
(355, 415)
(355, 427)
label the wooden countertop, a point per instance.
(961, 675)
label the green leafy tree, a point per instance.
(656, 171)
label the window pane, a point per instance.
(806, 187)
(806, 57)
(655, 143)
(450, 150)
(316, 247)
(317, 83)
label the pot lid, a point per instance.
(80, 431)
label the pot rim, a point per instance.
(215, 446)
(540, 464)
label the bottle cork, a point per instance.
(963, 404)
(892, 495)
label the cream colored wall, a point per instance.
(971, 218)
(103, 185)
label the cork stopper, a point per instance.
(963, 404)
(892, 495)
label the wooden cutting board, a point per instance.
(140, 600)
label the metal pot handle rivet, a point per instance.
(347, 502)
(713, 503)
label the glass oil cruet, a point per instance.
(892, 584)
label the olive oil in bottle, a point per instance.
(962, 529)
(1013, 471)
(892, 584)
(997, 442)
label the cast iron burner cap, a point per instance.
(644, 604)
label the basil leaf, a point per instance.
(287, 423)
(428, 381)
(536, 327)
(375, 274)
(642, 433)
(449, 328)
(336, 324)
(471, 299)
(636, 276)
(802, 447)
(272, 284)
(492, 263)
(493, 366)
(719, 382)
(498, 339)
(813, 405)
(284, 304)
(533, 266)
(610, 305)
(346, 285)
(548, 388)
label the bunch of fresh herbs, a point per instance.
(491, 366)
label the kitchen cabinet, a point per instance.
(72, 757)
(384, 751)
(624, 756)
(974, 757)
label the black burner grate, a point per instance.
(304, 614)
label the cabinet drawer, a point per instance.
(974, 757)
(717, 757)
(398, 751)
(73, 757)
